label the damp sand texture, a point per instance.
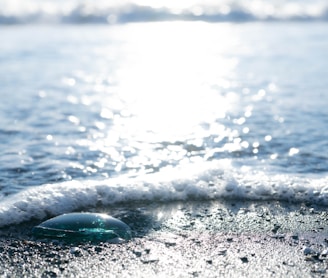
(230, 239)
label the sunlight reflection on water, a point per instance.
(168, 80)
(165, 95)
(99, 101)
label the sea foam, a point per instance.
(199, 181)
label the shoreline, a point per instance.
(193, 239)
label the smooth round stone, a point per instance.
(83, 227)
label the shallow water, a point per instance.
(99, 114)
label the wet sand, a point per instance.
(194, 239)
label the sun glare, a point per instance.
(169, 78)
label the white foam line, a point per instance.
(209, 180)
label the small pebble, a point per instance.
(75, 251)
(279, 236)
(138, 253)
(49, 274)
(222, 252)
(295, 237)
(98, 249)
(324, 253)
(308, 251)
(275, 228)
(170, 243)
(150, 260)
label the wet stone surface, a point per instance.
(81, 227)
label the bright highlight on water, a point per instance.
(83, 227)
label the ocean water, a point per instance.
(107, 104)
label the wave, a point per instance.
(81, 12)
(201, 181)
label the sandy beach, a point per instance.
(194, 239)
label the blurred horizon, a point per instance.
(118, 12)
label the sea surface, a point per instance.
(116, 103)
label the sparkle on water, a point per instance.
(160, 94)
(83, 227)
